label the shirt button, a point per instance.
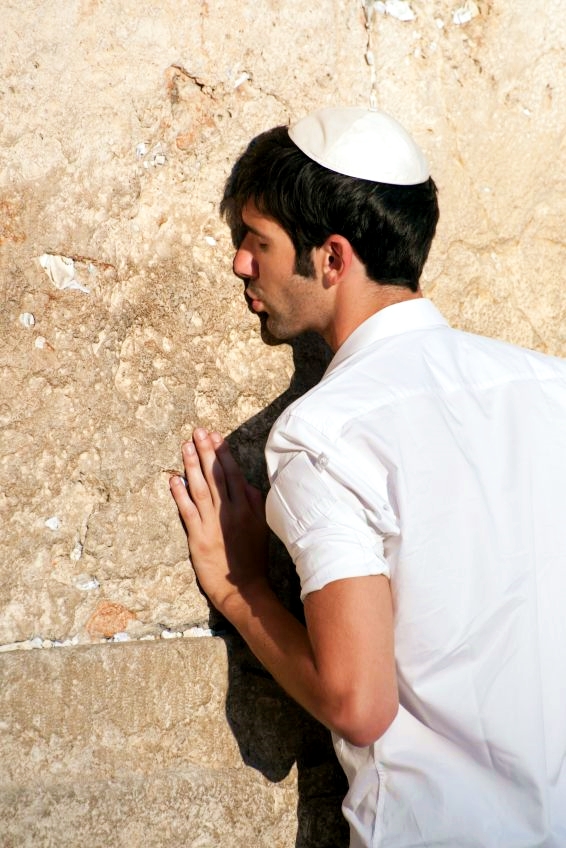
(321, 462)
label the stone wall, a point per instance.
(122, 328)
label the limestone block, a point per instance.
(89, 711)
(196, 807)
(182, 738)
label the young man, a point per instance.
(419, 488)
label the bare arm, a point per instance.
(341, 666)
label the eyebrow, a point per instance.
(253, 230)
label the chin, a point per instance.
(269, 337)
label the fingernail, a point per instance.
(216, 438)
(189, 448)
(200, 433)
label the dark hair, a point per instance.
(390, 227)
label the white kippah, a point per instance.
(361, 143)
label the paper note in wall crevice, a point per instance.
(61, 272)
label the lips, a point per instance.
(254, 303)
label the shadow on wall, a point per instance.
(271, 730)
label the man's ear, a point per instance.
(337, 255)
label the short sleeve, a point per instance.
(326, 536)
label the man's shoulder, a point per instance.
(399, 368)
(485, 356)
(317, 415)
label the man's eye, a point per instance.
(262, 245)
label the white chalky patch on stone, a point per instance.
(75, 555)
(400, 9)
(86, 582)
(244, 77)
(465, 13)
(27, 320)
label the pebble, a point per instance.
(120, 637)
(197, 632)
(170, 634)
(38, 642)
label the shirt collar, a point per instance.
(403, 317)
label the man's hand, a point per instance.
(342, 669)
(225, 521)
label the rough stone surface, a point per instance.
(182, 739)
(119, 123)
(198, 807)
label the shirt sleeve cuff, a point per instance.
(329, 553)
(327, 538)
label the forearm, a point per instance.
(341, 666)
(350, 690)
(282, 645)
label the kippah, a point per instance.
(362, 143)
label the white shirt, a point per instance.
(438, 458)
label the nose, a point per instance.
(244, 264)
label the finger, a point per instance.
(197, 485)
(234, 479)
(187, 509)
(211, 467)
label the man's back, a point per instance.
(451, 448)
(418, 489)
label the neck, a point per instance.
(353, 308)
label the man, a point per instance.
(419, 488)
